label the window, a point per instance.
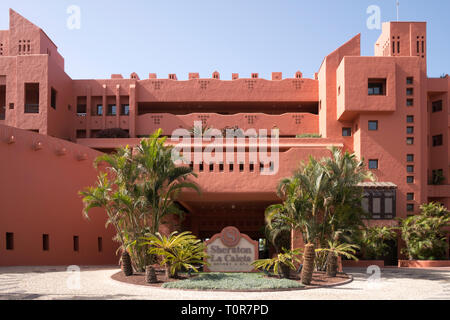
(409, 130)
(221, 167)
(31, 97)
(409, 80)
(410, 119)
(53, 98)
(379, 203)
(99, 110)
(409, 102)
(437, 177)
(252, 167)
(373, 164)
(409, 91)
(410, 169)
(409, 179)
(373, 125)
(125, 109)
(437, 140)
(410, 141)
(410, 196)
(45, 242)
(76, 243)
(437, 106)
(2, 101)
(346, 132)
(410, 207)
(211, 167)
(231, 167)
(100, 244)
(81, 134)
(241, 167)
(200, 167)
(111, 109)
(409, 158)
(377, 87)
(9, 241)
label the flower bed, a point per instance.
(245, 282)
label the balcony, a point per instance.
(32, 108)
(439, 191)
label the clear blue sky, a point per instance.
(229, 36)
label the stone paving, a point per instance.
(54, 283)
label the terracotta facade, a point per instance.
(384, 108)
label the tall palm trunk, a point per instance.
(168, 274)
(127, 268)
(308, 263)
(332, 264)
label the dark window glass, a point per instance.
(76, 243)
(409, 91)
(409, 130)
(410, 196)
(53, 98)
(125, 110)
(410, 119)
(410, 179)
(346, 132)
(252, 167)
(100, 244)
(373, 125)
(409, 80)
(211, 167)
(437, 140)
(409, 207)
(410, 158)
(200, 167)
(111, 110)
(45, 242)
(410, 169)
(221, 167)
(376, 87)
(373, 164)
(437, 106)
(231, 167)
(241, 167)
(9, 241)
(379, 203)
(409, 102)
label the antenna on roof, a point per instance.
(398, 6)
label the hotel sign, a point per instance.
(231, 251)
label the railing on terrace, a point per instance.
(31, 108)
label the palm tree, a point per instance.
(321, 199)
(179, 250)
(142, 192)
(162, 180)
(335, 250)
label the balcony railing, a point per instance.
(31, 108)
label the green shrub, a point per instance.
(424, 235)
(373, 242)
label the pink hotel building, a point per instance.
(384, 108)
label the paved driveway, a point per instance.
(95, 283)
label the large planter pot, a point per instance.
(362, 263)
(423, 263)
